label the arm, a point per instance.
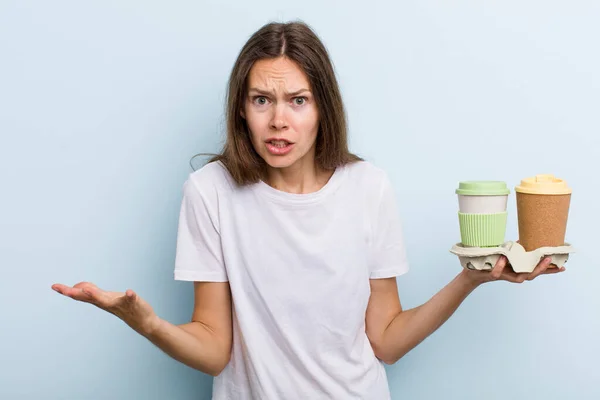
(205, 342)
(394, 332)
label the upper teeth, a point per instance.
(279, 143)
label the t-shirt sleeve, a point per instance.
(388, 252)
(199, 255)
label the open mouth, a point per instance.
(279, 146)
(280, 143)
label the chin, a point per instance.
(279, 162)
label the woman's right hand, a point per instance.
(128, 306)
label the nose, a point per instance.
(279, 121)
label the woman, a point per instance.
(293, 244)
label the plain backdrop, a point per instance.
(103, 104)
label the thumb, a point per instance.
(130, 296)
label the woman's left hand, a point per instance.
(503, 272)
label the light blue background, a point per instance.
(102, 104)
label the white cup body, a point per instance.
(482, 204)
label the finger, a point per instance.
(90, 294)
(498, 269)
(553, 271)
(514, 277)
(540, 268)
(77, 289)
(97, 296)
(62, 289)
(131, 296)
(83, 285)
(126, 299)
(74, 293)
(59, 288)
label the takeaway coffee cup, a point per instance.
(542, 211)
(482, 212)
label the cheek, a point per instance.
(309, 123)
(255, 123)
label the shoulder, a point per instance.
(209, 181)
(367, 175)
(370, 183)
(213, 175)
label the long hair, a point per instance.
(297, 42)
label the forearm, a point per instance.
(411, 327)
(193, 344)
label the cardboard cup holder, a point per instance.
(484, 258)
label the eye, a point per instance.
(299, 101)
(260, 100)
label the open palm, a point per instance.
(128, 306)
(503, 271)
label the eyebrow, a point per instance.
(267, 92)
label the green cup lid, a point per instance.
(482, 188)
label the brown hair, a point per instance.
(296, 41)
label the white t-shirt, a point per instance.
(299, 267)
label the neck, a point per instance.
(298, 179)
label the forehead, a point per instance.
(281, 71)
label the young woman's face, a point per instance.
(281, 113)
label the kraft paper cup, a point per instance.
(543, 203)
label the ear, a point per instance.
(243, 114)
